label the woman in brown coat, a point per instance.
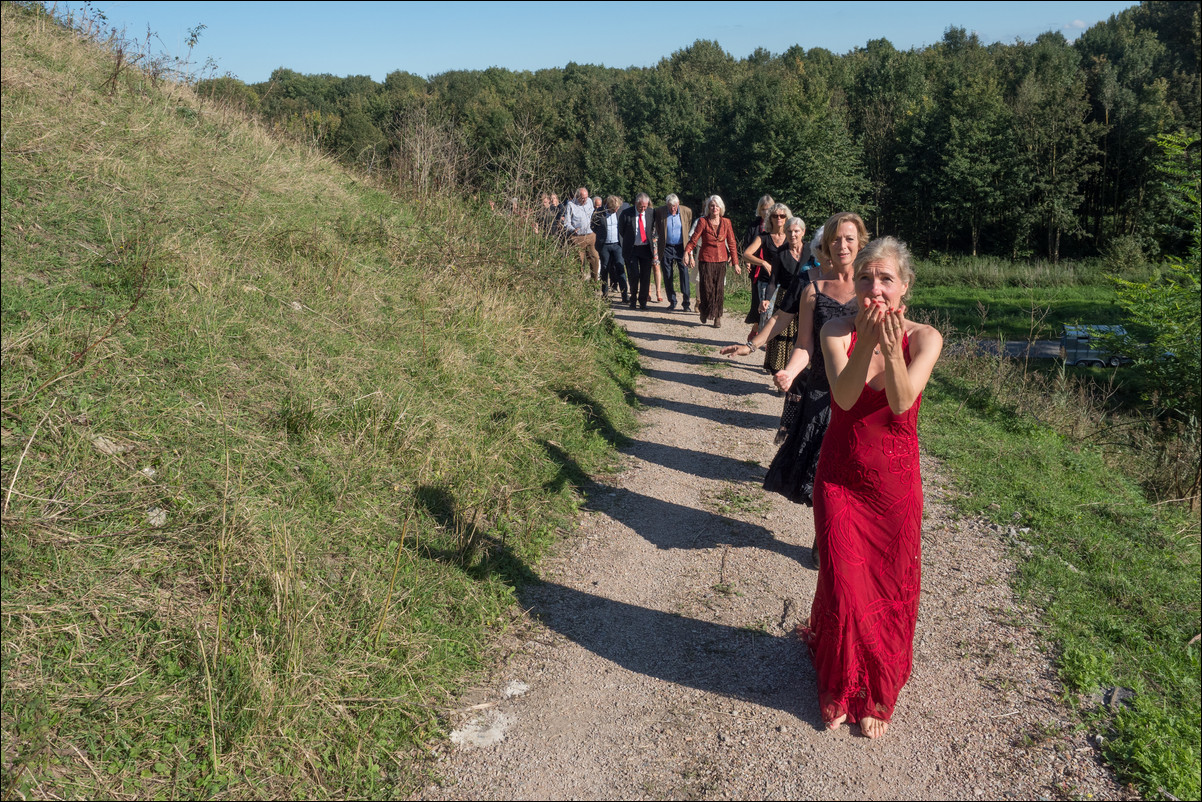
(718, 248)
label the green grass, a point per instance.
(1117, 578)
(278, 445)
(991, 272)
(987, 296)
(1016, 313)
(738, 499)
(281, 443)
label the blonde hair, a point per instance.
(892, 249)
(830, 229)
(761, 208)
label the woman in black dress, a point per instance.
(758, 282)
(764, 253)
(792, 470)
(790, 279)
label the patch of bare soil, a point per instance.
(656, 660)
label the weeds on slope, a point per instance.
(277, 446)
(1116, 576)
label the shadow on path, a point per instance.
(682, 331)
(698, 463)
(673, 526)
(681, 358)
(754, 421)
(719, 384)
(746, 664)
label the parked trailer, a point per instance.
(1080, 345)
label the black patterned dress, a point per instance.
(790, 280)
(792, 470)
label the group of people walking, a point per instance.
(639, 251)
(831, 316)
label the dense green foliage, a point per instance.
(1031, 148)
(1162, 313)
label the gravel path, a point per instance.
(656, 659)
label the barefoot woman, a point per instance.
(868, 496)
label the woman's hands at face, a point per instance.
(868, 321)
(892, 327)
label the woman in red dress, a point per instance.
(868, 496)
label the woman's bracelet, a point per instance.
(751, 347)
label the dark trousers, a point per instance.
(712, 278)
(613, 267)
(672, 261)
(638, 270)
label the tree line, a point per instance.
(1040, 148)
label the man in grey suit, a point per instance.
(637, 231)
(673, 223)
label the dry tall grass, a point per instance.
(232, 372)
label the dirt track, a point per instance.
(656, 661)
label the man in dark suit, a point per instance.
(673, 223)
(609, 246)
(637, 232)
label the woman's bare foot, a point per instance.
(834, 724)
(873, 727)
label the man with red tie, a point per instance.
(636, 230)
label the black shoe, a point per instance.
(672, 306)
(625, 297)
(643, 307)
(633, 305)
(686, 307)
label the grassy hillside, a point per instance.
(276, 444)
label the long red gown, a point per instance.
(868, 516)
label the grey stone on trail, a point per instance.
(658, 653)
(1118, 698)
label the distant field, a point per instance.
(1015, 312)
(1014, 299)
(992, 297)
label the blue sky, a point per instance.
(250, 39)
